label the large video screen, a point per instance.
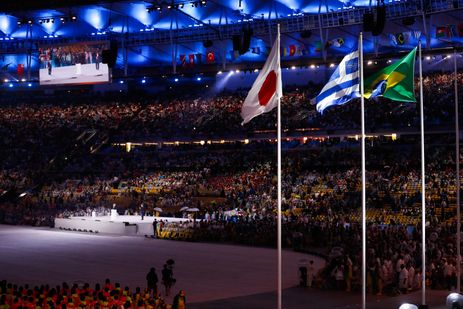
(75, 63)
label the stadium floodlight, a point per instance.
(176, 80)
(29, 85)
(198, 79)
(408, 306)
(454, 301)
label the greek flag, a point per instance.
(343, 85)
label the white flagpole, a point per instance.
(280, 291)
(457, 158)
(364, 223)
(423, 190)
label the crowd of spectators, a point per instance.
(108, 295)
(47, 171)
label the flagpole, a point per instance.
(457, 158)
(364, 224)
(279, 193)
(423, 190)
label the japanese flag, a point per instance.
(267, 89)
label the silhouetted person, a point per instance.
(152, 281)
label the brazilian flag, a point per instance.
(394, 82)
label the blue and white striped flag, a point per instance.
(343, 85)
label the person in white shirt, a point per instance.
(310, 273)
(449, 274)
(411, 277)
(403, 278)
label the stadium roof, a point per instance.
(152, 31)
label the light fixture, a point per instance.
(408, 306)
(454, 300)
(176, 80)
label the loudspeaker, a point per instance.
(208, 43)
(306, 34)
(242, 42)
(247, 34)
(374, 22)
(109, 56)
(237, 42)
(368, 22)
(380, 20)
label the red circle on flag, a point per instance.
(268, 88)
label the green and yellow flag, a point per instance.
(394, 82)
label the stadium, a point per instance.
(230, 154)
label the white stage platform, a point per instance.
(121, 225)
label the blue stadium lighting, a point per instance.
(29, 85)
(10, 85)
(198, 79)
(121, 82)
(143, 81)
(220, 72)
(176, 80)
